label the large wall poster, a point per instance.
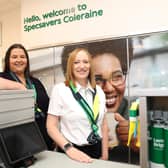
(104, 55)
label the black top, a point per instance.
(42, 102)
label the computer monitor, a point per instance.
(21, 142)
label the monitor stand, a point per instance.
(25, 163)
(3, 160)
(22, 164)
(2, 165)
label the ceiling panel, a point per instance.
(7, 5)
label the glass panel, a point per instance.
(149, 65)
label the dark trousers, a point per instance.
(94, 151)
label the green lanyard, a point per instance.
(29, 85)
(89, 112)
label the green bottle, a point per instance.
(156, 145)
(166, 144)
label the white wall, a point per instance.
(11, 30)
(120, 18)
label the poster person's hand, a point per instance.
(122, 128)
(122, 132)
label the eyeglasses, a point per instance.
(116, 78)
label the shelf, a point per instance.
(141, 92)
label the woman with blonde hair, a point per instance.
(78, 107)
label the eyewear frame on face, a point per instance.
(117, 78)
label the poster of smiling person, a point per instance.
(110, 67)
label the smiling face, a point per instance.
(81, 66)
(106, 65)
(17, 61)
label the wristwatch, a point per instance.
(67, 146)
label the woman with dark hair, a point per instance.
(17, 69)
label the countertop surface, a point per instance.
(49, 159)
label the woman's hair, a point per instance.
(7, 57)
(70, 63)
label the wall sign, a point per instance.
(46, 23)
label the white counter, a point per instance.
(49, 159)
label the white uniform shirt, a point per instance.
(74, 123)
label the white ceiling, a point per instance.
(7, 5)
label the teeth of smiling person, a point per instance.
(18, 64)
(111, 101)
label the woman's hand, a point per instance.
(78, 155)
(20, 86)
(72, 152)
(9, 84)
